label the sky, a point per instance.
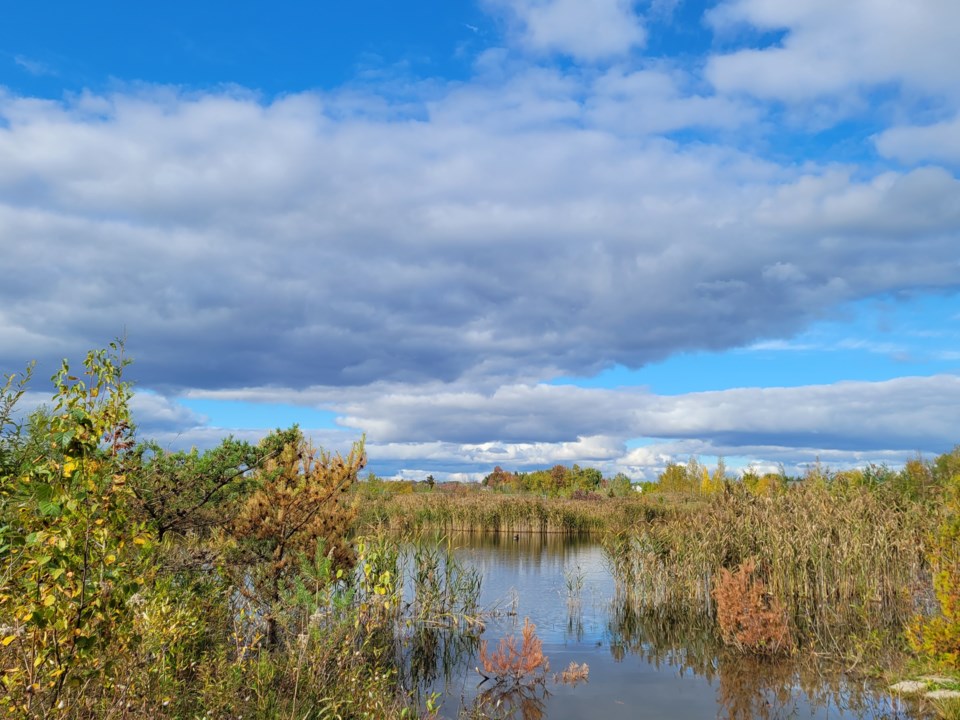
(496, 232)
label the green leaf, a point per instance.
(49, 508)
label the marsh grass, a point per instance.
(409, 514)
(844, 562)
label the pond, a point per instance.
(640, 665)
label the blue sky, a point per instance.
(514, 232)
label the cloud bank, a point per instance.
(422, 257)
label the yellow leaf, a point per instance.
(110, 559)
(68, 467)
(48, 600)
(7, 640)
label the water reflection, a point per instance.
(747, 686)
(522, 702)
(643, 662)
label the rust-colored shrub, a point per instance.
(511, 664)
(750, 618)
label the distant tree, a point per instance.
(620, 485)
(677, 478)
(584, 478)
(712, 484)
(915, 480)
(946, 467)
(558, 478)
(500, 479)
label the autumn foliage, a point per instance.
(937, 637)
(510, 664)
(302, 499)
(750, 618)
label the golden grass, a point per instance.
(840, 560)
(489, 512)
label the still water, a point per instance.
(640, 665)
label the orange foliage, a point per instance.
(750, 618)
(510, 664)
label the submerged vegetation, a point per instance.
(267, 581)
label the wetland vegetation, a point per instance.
(271, 581)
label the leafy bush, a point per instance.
(73, 554)
(938, 638)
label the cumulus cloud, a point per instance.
(242, 241)
(588, 30)
(419, 256)
(524, 426)
(937, 142)
(832, 49)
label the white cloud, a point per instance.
(419, 255)
(651, 101)
(588, 30)
(494, 237)
(522, 426)
(939, 142)
(836, 49)
(34, 67)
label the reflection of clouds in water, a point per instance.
(643, 664)
(534, 568)
(747, 687)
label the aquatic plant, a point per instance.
(750, 618)
(515, 665)
(409, 514)
(574, 674)
(843, 561)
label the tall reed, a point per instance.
(841, 560)
(488, 512)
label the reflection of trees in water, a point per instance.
(665, 636)
(545, 552)
(748, 687)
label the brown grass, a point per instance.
(492, 512)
